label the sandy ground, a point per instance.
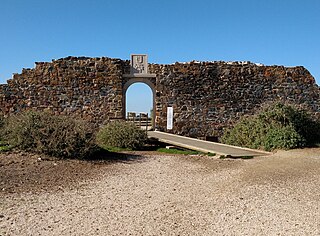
(161, 195)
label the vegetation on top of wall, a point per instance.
(44, 133)
(121, 134)
(278, 126)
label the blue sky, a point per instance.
(273, 32)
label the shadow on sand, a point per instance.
(104, 156)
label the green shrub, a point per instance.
(248, 132)
(121, 134)
(2, 120)
(4, 147)
(53, 135)
(300, 120)
(283, 137)
(278, 126)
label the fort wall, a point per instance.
(205, 96)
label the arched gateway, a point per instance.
(200, 98)
(139, 73)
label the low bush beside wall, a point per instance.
(121, 134)
(278, 126)
(44, 133)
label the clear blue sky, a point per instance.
(282, 32)
(139, 98)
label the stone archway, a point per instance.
(148, 81)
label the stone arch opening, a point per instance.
(145, 81)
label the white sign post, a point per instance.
(169, 118)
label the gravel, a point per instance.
(178, 195)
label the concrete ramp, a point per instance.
(205, 146)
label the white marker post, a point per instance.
(169, 118)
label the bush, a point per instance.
(122, 135)
(283, 137)
(2, 120)
(44, 133)
(278, 126)
(300, 120)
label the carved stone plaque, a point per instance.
(139, 64)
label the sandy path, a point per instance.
(175, 195)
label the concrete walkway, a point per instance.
(205, 146)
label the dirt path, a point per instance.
(171, 195)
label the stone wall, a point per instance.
(86, 87)
(208, 96)
(205, 96)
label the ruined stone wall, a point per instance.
(86, 87)
(205, 96)
(208, 96)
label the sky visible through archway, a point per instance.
(139, 98)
